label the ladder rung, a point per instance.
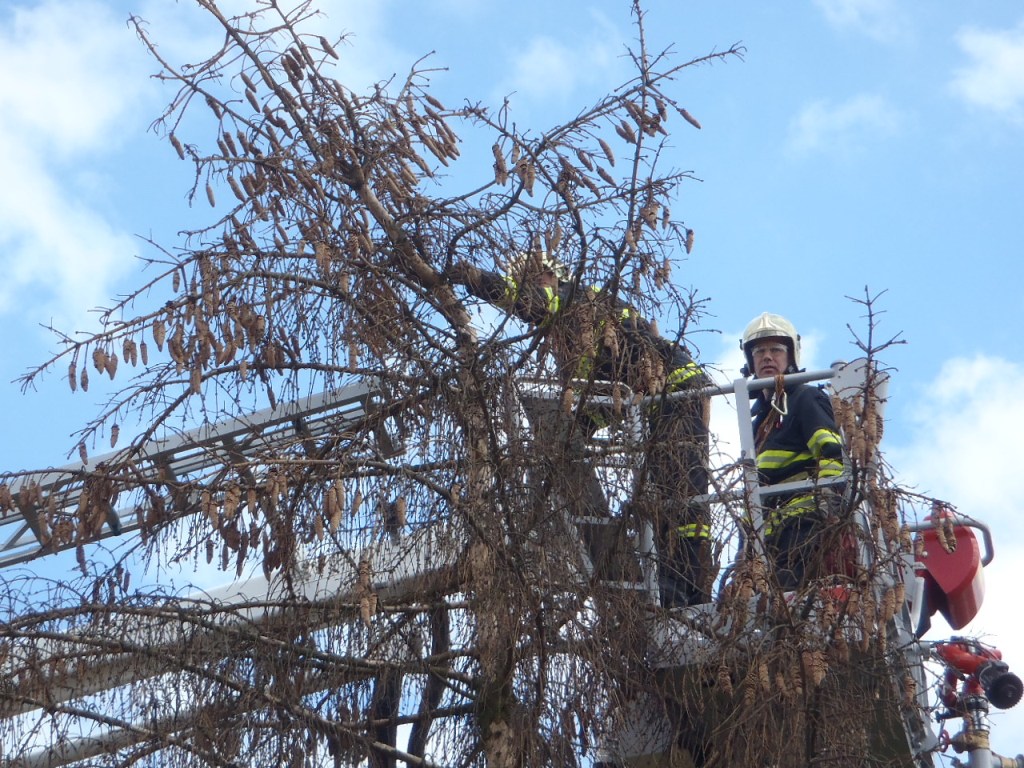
(637, 586)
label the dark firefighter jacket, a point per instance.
(592, 336)
(803, 443)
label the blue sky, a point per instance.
(860, 144)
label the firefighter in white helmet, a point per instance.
(796, 438)
(595, 337)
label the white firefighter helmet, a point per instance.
(525, 263)
(770, 326)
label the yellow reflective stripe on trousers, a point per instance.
(554, 300)
(801, 505)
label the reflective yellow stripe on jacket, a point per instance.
(772, 460)
(694, 531)
(554, 301)
(780, 459)
(819, 441)
(680, 376)
(827, 467)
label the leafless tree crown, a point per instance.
(337, 215)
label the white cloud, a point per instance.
(81, 95)
(551, 69)
(544, 68)
(58, 255)
(994, 78)
(842, 128)
(61, 117)
(62, 99)
(881, 20)
(963, 442)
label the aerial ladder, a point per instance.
(38, 506)
(173, 464)
(935, 575)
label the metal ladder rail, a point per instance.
(186, 457)
(605, 454)
(752, 490)
(633, 433)
(848, 378)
